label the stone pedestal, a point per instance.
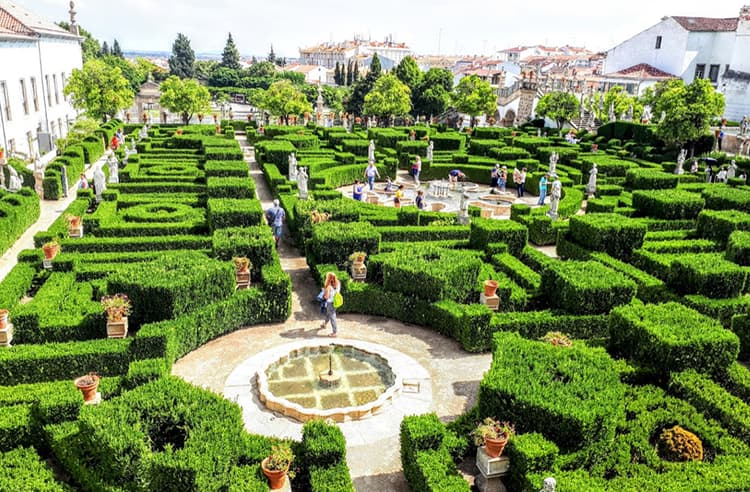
(47, 264)
(75, 231)
(492, 302)
(97, 400)
(359, 272)
(463, 220)
(117, 329)
(490, 471)
(373, 199)
(243, 280)
(6, 335)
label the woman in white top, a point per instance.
(330, 288)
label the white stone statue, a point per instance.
(143, 132)
(371, 151)
(553, 158)
(681, 162)
(39, 176)
(732, 171)
(114, 171)
(99, 184)
(612, 117)
(133, 150)
(430, 150)
(549, 485)
(292, 167)
(15, 182)
(64, 181)
(646, 116)
(555, 196)
(743, 125)
(302, 182)
(591, 186)
(538, 132)
(629, 116)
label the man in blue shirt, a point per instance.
(275, 217)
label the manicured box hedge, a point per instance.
(668, 204)
(717, 225)
(708, 274)
(229, 212)
(23, 469)
(672, 337)
(613, 234)
(726, 198)
(333, 242)
(650, 179)
(585, 287)
(576, 397)
(17, 212)
(738, 248)
(486, 231)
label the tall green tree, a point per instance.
(204, 68)
(349, 73)
(283, 99)
(116, 50)
(433, 95)
(558, 106)
(230, 58)
(474, 97)
(363, 86)
(355, 72)
(388, 97)
(184, 96)
(409, 73)
(182, 59)
(99, 90)
(105, 50)
(271, 56)
(337, 78)
(687, 109)
(129, 70)
(615, 97)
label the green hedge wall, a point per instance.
(17, 212)
(672, 337)
(717, 225)
(24, 469)
(726, 198)
(585, 287)
(708, 274)
(228, 212)
(613, 234)
(576, 398)
(333, 242)
(486, 231)
(668, 204)
(650, 179)
(738, 248)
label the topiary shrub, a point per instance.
(717, 225)
(668, 204)
(650, 179)
(678, 444)
(487, 231)
(614, 234)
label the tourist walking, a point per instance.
(83, 184)
(398, 196)
(275, 217)
(494, 177)
(370, 173)
(542, 189)
(503, 178)
(419, 200)
(331, 287)
(416, 168)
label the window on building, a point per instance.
(658, 42)
(700, 71)
(5, 100)
(57, 90)
(34, 94)
(49, 90)
(24, 97)
(713, 73)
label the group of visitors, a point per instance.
(117, 139)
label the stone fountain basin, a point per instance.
(342, 414)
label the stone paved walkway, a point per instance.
(50, 211)
(375, 466)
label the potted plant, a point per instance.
(358, 268)
(4, 318)
(88, 385)
(117, 307)
(179, 131)
(242, 266)
(557, 339)
(493, 435)
(490, 287)
(358, 257)
(6, 330)
(276, 465)
(51, 248)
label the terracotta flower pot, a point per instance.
(88, 385)
(276, 478)
(50, 251)
(495, 446)
(3, 318)
(75, 222)
(490, 287)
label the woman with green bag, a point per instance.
(333, 299)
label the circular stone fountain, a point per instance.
(337, 381)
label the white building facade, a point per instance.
(38, 58)
(328, 54)
(695, 47)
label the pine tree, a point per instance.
(375, 68)
(349, 73)
(116, 51)
(182, 59)
(230, 58)
(337, 74)
(105, 50)
(355, 71)
(271, 56)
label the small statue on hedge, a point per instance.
(302, 182)
(99, 185)
(555, 196)
(371, 151)
(591, 186)
(114, 171)
(681, 162)
(292, 167)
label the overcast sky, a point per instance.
(427, 26)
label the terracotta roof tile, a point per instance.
(11, 25)
(710, 24)
(642, 71)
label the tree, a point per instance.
(283, 99)
(618, 99)
(349, 73)
(409, 73)
(355, 71)
(388, 97)
(375, 68)
(474, 96)
(100, 90)
(559, 106)
(182, 59)
(82, 128)
(224, 77)
(134, 76)
(184, 96)
(230, 58)
(146, 67)
(362, 87)
(433, 95)
(337, 75)
(116, 51)
(105, 50)
(204, 68)
(271, 56)
(687, 109)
